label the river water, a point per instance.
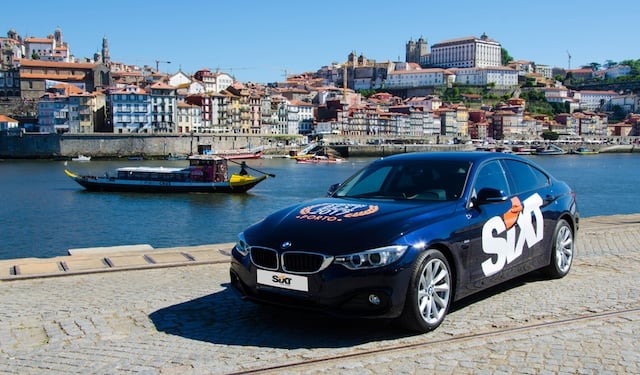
(44, 213)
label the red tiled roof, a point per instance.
(68, 77)
(54, 64)
(4, 118)
(162, 85)
(38, 40)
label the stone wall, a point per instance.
(33, 145)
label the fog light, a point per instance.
(374, 299)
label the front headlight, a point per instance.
(241, 245)
(372, 258)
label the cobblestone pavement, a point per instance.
(187, 320)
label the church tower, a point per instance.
(410, 51)
(105, 51)
(57, 35)
(416, 51)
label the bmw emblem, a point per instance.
(285, 245)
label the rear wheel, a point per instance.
(429, 294)
(562, 251)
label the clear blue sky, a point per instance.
(258, 40)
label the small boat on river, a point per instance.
(317, 159)
(585, 151)
(239, 154)
(81, 157)
(205, 174)
(550, 150)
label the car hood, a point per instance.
(336, 226)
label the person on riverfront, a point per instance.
(243, 169)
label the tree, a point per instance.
(506, 58)
(595, 66)
(550, 135)
(610, 64)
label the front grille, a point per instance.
(290, 261)
(265, 258)
(299, 262)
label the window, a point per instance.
(524, 177)
(491, 175)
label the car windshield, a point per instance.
(429, 180)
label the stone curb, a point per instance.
(119, 258)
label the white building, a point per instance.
(164, 108)
(544, 70)
(52, 48)
(617, 71)
(300, 117)
(189, 118)
(522, 67)
(179, 79)
(628, 103)
(130, 110)
(594, 100)
(469, 52)
(498, 76)
(417, 78)
(213, 82)
(7, 123)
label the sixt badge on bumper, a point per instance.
(283, 280)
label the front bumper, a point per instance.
(338, 291)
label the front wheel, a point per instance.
(562, 250)
(429, 294)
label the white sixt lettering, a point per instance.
(506, 248)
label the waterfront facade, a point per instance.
(130, 110)
(111, 97)
(189, 118)
(163, 108)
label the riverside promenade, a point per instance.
(171, 311)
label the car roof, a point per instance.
(471, 156)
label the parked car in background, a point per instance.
(408, 235)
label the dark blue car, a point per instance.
(408, 235)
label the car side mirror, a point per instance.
(490, 195)
(332, 189)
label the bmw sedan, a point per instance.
(408, 235)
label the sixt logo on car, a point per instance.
(509, 247)
(336, 211)
(281, 279)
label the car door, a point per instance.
(536, 224)
(491, 235)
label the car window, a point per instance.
(419, 180)
(491, 175)
(366, 182)
(524, 177)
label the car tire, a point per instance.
(429, 294)
(562, 251)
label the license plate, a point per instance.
(283, 280)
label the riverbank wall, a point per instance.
(46, 146)
(65, 146)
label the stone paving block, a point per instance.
(38, 268)
(84, 264)
(209, 255)
(167, 257)
(128, 260)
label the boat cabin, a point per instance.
(208, 168)
(153, 174)
(202, 168)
